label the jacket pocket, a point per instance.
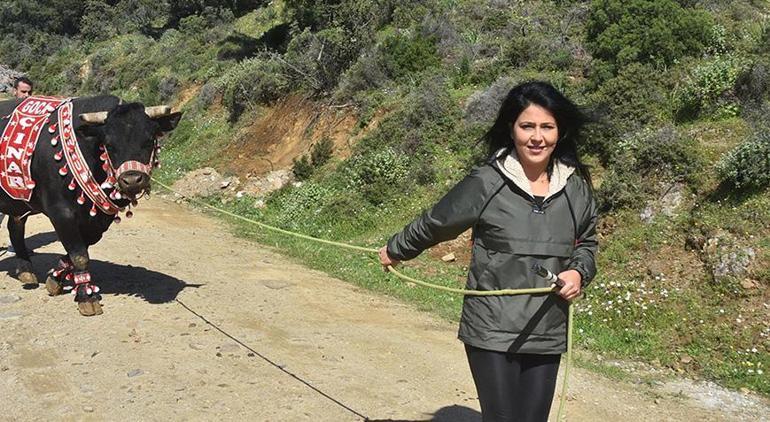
(483, 266)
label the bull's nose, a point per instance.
(133, 182)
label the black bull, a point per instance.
(128, 134)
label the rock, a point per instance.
(261, 186)
(276, 284)
(748, 284)
(647, 214)
(7, 76)
(134, 373)
(230, 348)
(8, 299)
(259, 203)
(10, 315)
(204, 182)
(685, 359)
(666, 204)
(450, 257)
(88, 409)
(744, 390)
(196, 346)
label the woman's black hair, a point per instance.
(569, 120)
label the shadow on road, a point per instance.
(452, 413)
(112, 278)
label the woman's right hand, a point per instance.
(386, 260)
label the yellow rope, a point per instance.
(508, 292)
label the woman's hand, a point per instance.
(571, 287)
(386, 260)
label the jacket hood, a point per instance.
(508, 163)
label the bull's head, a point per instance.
(129, 134)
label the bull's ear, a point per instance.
(168, 122)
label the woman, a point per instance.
(530, 203)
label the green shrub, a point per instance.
(405, 55)
(376, 174)
(709, 89)
(299, 205)
(645, 164)
(253, 81)
(302, 168)
(322, 152)
(634, 98)
(748, 165)
(621, 32)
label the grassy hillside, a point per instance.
(679, 90)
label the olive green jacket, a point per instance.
(510, 233)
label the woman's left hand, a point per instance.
(571, 287)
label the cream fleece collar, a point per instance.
(511, 167)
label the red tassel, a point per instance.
(81, 199)
(105, 167)
(31, 184)
(72, 184)
(57, 156)
(52, 128)
(92, 213)
(54, 140)
(103, 157)
(63, 171)
(129, 214)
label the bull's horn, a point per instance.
(94, 118)
(157, 111)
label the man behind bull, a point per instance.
(22, 88)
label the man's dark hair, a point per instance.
(21, 79)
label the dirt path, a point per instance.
(321, 349)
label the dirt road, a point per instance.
(182, 297)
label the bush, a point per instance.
(634, 98)
(322, 152)
(302, 168)
(301, 204)
(376, 174)
(253, 81)
(317, 59)
(406, 55)
(646, 163)
(752, 86)
(367, 73)
(709, 89)
(748, 165)
(659, 32)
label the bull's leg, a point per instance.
(24, 264)
(86, 294)
(54, 284)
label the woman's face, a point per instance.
(535, 134)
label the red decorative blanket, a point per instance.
(18, 143)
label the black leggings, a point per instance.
(513, 386)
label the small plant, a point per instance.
(710, 89)
(302, 168)
(322, 152)
(748, 165)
